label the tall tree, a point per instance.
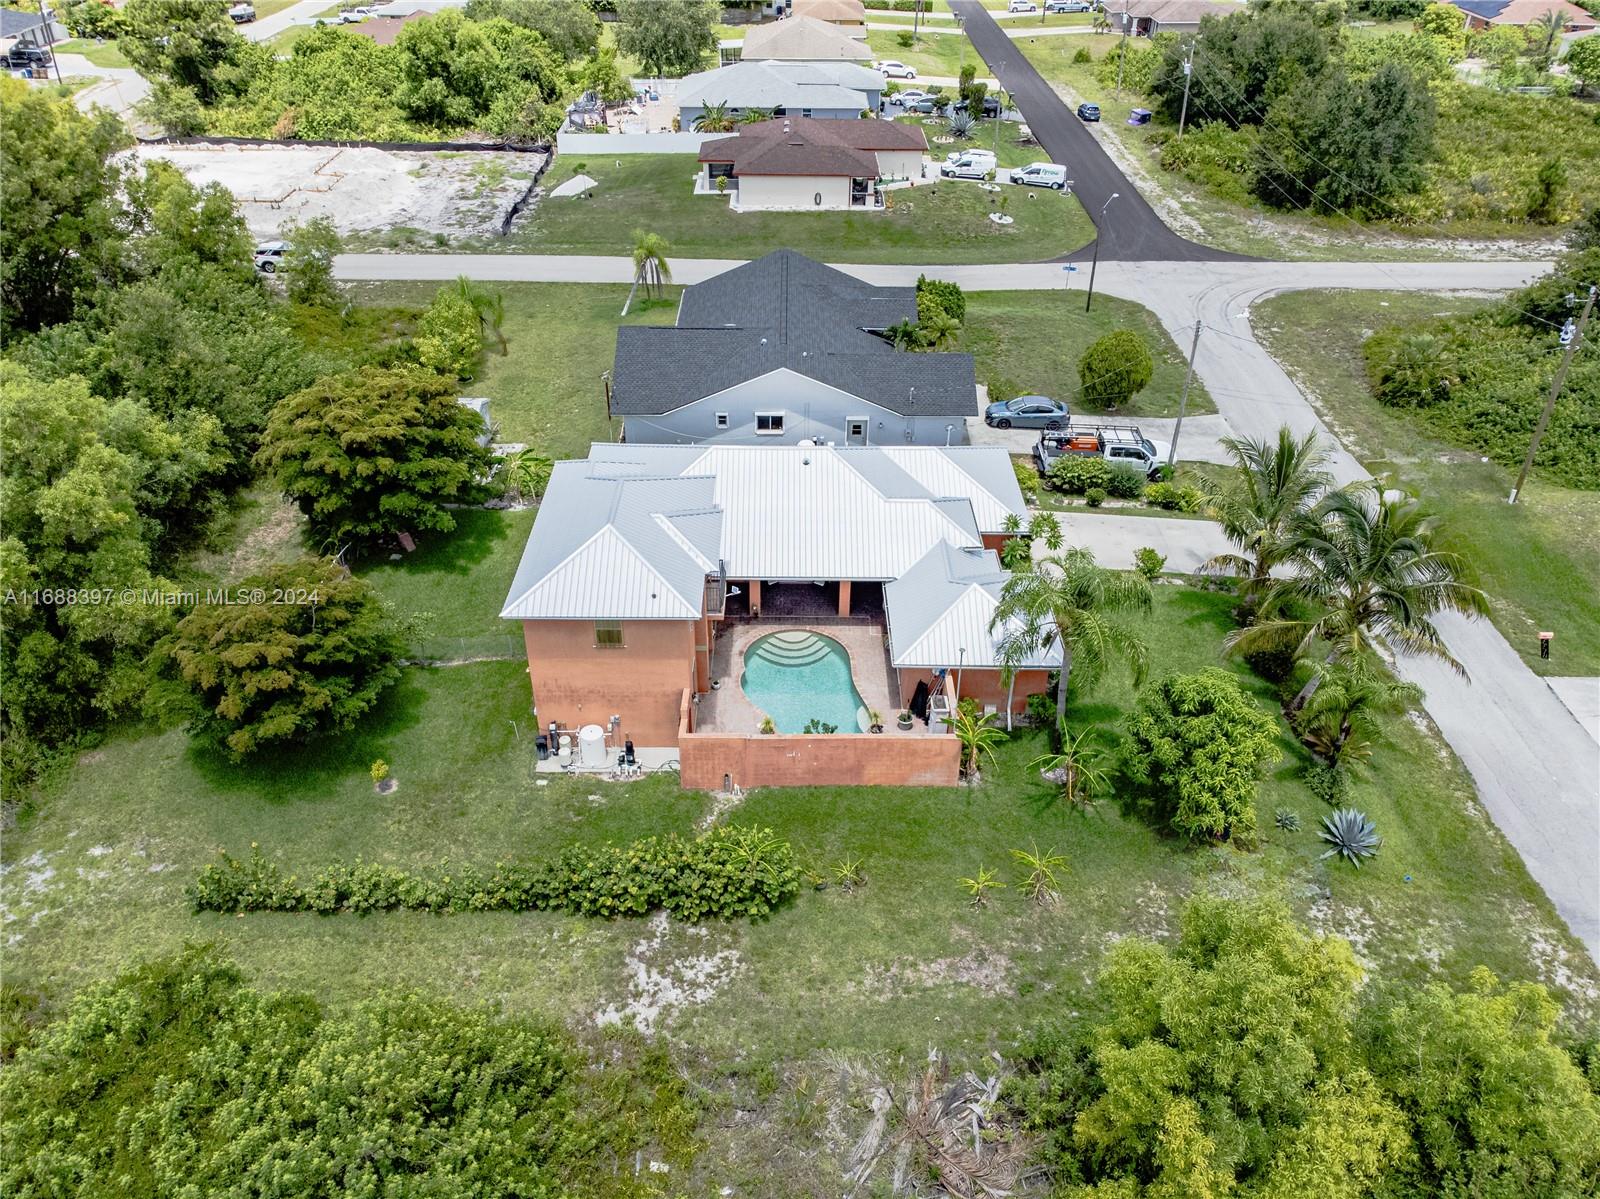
(490, 307)
(375, 452)
(1365, 577)
(1247, 59)
(1068, 602)
(714, 118)
(308, 263)
(190, 44)
(1261, 501)
(571, 28)
(668, 37)
(1340, 720)
(1343, 144)
(60, 232)
(650, 265)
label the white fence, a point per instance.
(632, 143)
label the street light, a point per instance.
(1094, 265)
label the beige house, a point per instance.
(804, 39)
(849, 13)
(1146, 18)
(800, 164)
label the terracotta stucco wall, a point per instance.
(995, 541)
(856, 760)
(576, 682)
(985, 686)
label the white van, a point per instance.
(1022, 6)
(1041, 174)
(967, 164)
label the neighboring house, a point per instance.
(803, 39)
(1482, 14)
(784, 349)
(832, 90)
(641, 555)
(796, 164)
(1146, 18)
(848, 13)
(385, 29)
(19, 28)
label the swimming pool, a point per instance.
(796, 677)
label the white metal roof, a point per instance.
(792, 85)
(939, 612)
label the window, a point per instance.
(856, 429)
(722, 420)
(769, 422)
(805, 112)
(608, 634)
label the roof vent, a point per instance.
(763, 341)
(805, 462)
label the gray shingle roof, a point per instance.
(803, 39)
(14, 22)
(786, 311)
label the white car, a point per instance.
(911, 95)
(354, 16)
(268, 255)
(1041, 174)
(1069, 5)
(897, 70)
(1022, 6)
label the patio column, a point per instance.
(844, 597)
(755, 597)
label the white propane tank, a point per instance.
(565, 756)
(591, 746)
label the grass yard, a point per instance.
(999, 136)
(1222, 213)
(939, 51)
(655, 191)
(1539, 561)
(100, 53)
(1029, 342)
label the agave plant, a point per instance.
(1351, 834)
(1287, 819)
(960, 125)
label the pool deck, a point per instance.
(726, 708)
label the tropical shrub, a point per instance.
(1351, 834)
(176, 1078)
(1197, 744)
(733, 871)
(1114, 369)
(1124, 482)
(1095, 496)
(945, 295)
(1173, 497)
(1148, 562)
(1076, 473)
(449, 336)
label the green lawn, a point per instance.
(996, 135)
(1539, 560)
(924, 224)
(1029, 342)
(936, 52)
(100, 53)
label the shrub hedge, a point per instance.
(730, 872)
(1173, 497)
(1075, 475)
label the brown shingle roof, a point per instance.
(806, 146)
(384, 30)
(849, 12)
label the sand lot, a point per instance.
(435, 191)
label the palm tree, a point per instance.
(752, 116)
(490, 307)
(1262, 501)
(714, 118)
(1365, 564)
(1542, 33)
(938, 330)
(1340, 719)
(1078, 766)
(650, 265)
(978, 736)
(904, 336)
(1065, 601)
(527, 474)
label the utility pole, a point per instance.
(1095, 264)
(1188, 75)
(916, 20)
(1183, 401)
(1573, 338)
(1122, 53)
(49, 41)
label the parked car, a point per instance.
(1041, 174)
(896, 70)
(242, 14)
(925, 104)
(989, 108)
(967, 164)
(1022, 6)
(1088, 112)
(269, 255)
(1120, 445)
(1140, 116)
(20, 58)
(1027, 412)
(911, 95)
(1068, 6)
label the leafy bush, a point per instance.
(948, 296)
(1027, 477)
(178, 1079)
(1115, 368)
(1273, 665)
(1327, 781)
(449, 335)
(1148, 562)
(1136, 74)
(1173, 497)
(1216, 155)
(1125, 482)
(1083, 55)
(1076, 473)
(1198, 743)
(1096, 496)
(732, 871)
(1041, 709)
(904, 39)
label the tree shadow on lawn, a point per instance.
(477, 535)
(330, 767)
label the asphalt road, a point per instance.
(1129, 229)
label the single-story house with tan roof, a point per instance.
(1146, 18)
(795, 163)
(1484, 14)
(803, 39)
(848, 13)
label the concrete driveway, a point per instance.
(1199, 442)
